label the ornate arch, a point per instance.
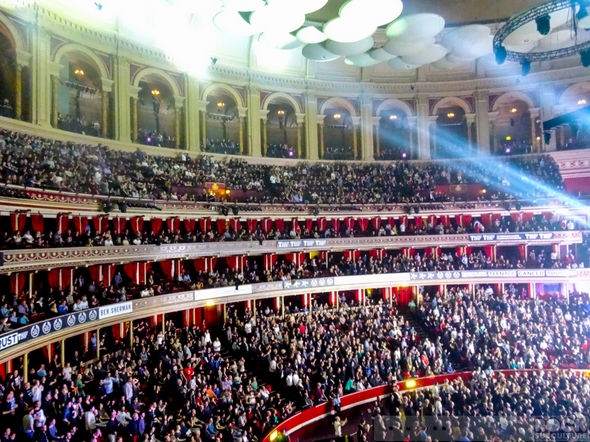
(391, 103)
(87, 53)
(282, 96)
(225, 88)
(513, 95)
(450, 102)
(158, 73)
(12, 33)
(338, 102)
(582, 87)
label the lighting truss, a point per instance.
(530, 16)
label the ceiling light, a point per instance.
(513, 110)
(450, 115)
(337, 116)
(311, 35)
(221, 104)
(281, 112)
(379, 12)
(79, 72)
(231, 22)
(393, 117)
(538, 138)
(155, 92)
(277, 18)
(354, 48)
(508, 138)
(416, 26)
(501, 54)
(348, 31)
(581, 102)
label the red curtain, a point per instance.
(235, 262)
(63, 222)
(94, 273)
(404, 295)
(53, 278)
(270, 260)
(467, 219)
(335, 224)
(548, 215)
(167, 267)
(444, 219)
(295, 224)
(66, 277)
(119, 225)
(189, 224)
(137, 224)
(280, 223)
(349, 222)
(221, 225)
(418, 222)
(488, 251)
(376, 222)
(322, 224)
(234, 223)
(309, 223)
(17, 282)
(101, 223)
(252, 224)
(521, 251)
(403, 220)
(352, 254)
(376, 254)
(173, 224)
(205, 224)
(266, 225)
(131, 270)
(37, 222)
(199, 264)
(18, 221)
(468, 250)
(80, 223)
(515, 217)
(363, 223)
(527, 216)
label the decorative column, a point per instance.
(41, 85)
(547, 101)
(254, 133)
(433, 135)
(178, 106)
(492, 129)
(18, 90)
(423, 127)
(375, 122)
(356, 121)
(535, 145)
(203, 122)
(366, 127)
(242, 112)
(482, 106)
(311, 127)
(263, 132)
(134, 127)
(412, 137)
(122, 103)
(191, 114)
(470, 140)
(320, 133)
(299, 128)
(54, 99)
(107, 87)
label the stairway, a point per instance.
(415, 321)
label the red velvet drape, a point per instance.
(376, 222)
(101, 223)
(80, 223)
(252, 225)
(527, 216)
(418, 222)
(17, 282)
(63, 223)
(205, 224)
(349, 222)
(94, 273)
(168, 267)
(235, 262)
(488, 250)
(309, 223)
(173, 224)
(200, 264)
(234, 223)
(37, 222)
(17, 221)
(335, 224)
(119, 225)
(137, 224)
(322, 223)
(53, 278)
(280, 223)
(131, 271)
(266, 225)
(403, 295)
(189, 224)
(445, 221)
(363, 223)
(221, 225)
(352, 254)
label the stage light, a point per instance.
(410, 383)
(526, 67)
(508, 138)
(403, 155)
(500, 52)
(209, 303)
(221, 105)
(227, 192)
(508, 150)
(79, 72)
(513, 110)
(538, 138)
(281, 112)
(544, 24)
(273, 435)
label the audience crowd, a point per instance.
(281, 151)
(6, 109)
(224, 147)
(78, 125)
(152, 138)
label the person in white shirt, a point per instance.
(207, 337)
(216, 345)
(84, 303)
(90, 419)
(338, 424)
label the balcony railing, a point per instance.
(41, 259)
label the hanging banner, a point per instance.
(120, 308)
(298, 243)
(541, 236)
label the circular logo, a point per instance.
(35, 331)
(440, 275)
(71, 320)
(330, 281)
(46, 328)
(456, 275)
(82, 318)
(92, 315)
(322, 282)
(448, 275)
(314, 283)
(57, 324)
